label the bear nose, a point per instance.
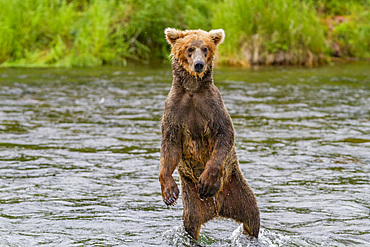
(198, 66)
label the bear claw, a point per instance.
(207, 191)
(208, 184)
(170, 195)
(171, 201)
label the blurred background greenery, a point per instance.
(95, 32)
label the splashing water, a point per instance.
(177, 236)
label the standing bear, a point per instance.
(198, 139)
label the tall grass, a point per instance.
(64, 33)
(349, 30)
(335, 7)
(95, 32)
(269, 32)
(353, 36)
(152, 17)
(91, 32)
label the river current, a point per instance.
(80, 149)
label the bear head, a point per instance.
(194, 49)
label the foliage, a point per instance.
(259, 28)
(335, 7)
(95, 32)
(40, 32)
(353, 36)
(152, 17)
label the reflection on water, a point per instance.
(79, 154)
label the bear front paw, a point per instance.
(209, 183)
(170, 193)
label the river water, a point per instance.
(79, 155)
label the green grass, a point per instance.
(352, 34)
(152, 17)
(62, 33)
(335, 7)
(265, 32)
(95, 32)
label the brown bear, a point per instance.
(198, 139)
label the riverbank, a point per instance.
(90, 32)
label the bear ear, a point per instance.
(217, 35)
(173, 34)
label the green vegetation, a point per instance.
(270, 32)
(40, 32)
(150, 18)
(349, 26)
(95, 32)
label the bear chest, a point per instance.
(196, 137)
(195, 118)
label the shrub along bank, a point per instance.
(95, 32)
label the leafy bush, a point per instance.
(353, 36)
(40, 32)
(95, 32)
(152, 17)
(256, 28)
(335, 7)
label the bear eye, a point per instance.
(191, 49)
(204, 49)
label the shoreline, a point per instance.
(224, 64)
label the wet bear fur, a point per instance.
(198, 139)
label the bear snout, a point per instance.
(198, 66)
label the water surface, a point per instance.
(79, 155)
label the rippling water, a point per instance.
(79, 155)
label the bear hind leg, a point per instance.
(196, 211)
(192, 227)
(239, 203)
